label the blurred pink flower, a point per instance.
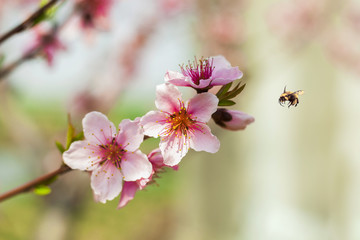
(203, 74)
(352, 14)
(181, 126)
(232, 119)
(94, 12)
(173, 7)
(110, 156)
(130, 188)
(343, 47)
(297, 19)
(226, 28)
(47, 43)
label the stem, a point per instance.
(28, 23)
(8, 69)
(5, 71)
(30, 185)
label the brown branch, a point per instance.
(28, 23)
(32, 184)
(8, 69)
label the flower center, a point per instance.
(112, 153)
(198, 70)
(180, 122)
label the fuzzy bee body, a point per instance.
(291, 97)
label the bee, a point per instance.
(292, 97)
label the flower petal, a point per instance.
(130, 135)
(239, 120)
(204, 140)
(219, 62)
(223, 72)
(202, 106)
(106, 182)
(174, 149)
(176, 78)
(153, 123)
(204, 83)
(97, 128)
(135, 165)
(156, 158)
(168, 98)
(81, 156)
(128, 193)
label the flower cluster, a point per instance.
(113, 157)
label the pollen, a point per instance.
(111, 153)
(180, 122)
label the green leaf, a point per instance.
(70, 133)
(79, 136)
(42, 190)
(226, 103)
(224, 89)
(233, 93)
(60, 146)
(43, 2)
(48, 14)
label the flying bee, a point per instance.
(291, 97)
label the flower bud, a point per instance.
(232, 119)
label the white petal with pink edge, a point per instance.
(176, 78)
(106, 182)
(128, 193)
(80, 156)
(153, 123)
(202, 106)
(219, 62)
(97, 128)
(225, 76)
(168, 98)
(131, 135)
(223, 72)
(135, 165)
(204, 140)
(174, 149)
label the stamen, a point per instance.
(200, 69)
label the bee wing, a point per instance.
(299, 92)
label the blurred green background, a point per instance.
(291, 175)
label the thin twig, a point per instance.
(32, 184)
(9, 68)
(28, 23)
(6, 70)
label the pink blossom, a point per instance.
(111, 156)
(130, 188)
(232, 119)
(47, 43)
(94, 12)
(181, 125)
(203, 74)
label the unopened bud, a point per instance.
(232, 119)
